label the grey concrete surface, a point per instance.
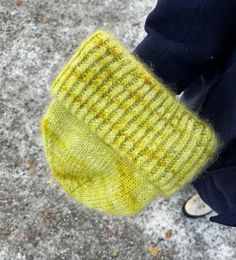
(37, 219)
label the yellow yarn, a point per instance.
(115, 136)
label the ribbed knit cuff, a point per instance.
(133, 112)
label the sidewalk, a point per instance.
(37, 219)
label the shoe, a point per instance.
(195, 207)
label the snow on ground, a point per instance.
(37, 219)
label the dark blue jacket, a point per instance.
(191, 46)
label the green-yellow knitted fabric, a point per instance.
(115, 136)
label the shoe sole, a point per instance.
(186, 214)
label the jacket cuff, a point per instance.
(164, 58)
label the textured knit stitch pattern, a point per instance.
(115, 136)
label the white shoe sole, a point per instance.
(191, 212)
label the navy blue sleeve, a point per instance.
(186, 38)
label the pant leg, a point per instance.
(209, 193)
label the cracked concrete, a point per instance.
(37, 219)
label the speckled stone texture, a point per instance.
(37, 219)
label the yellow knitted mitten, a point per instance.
(115, 136)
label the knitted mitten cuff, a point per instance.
(133, 112)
